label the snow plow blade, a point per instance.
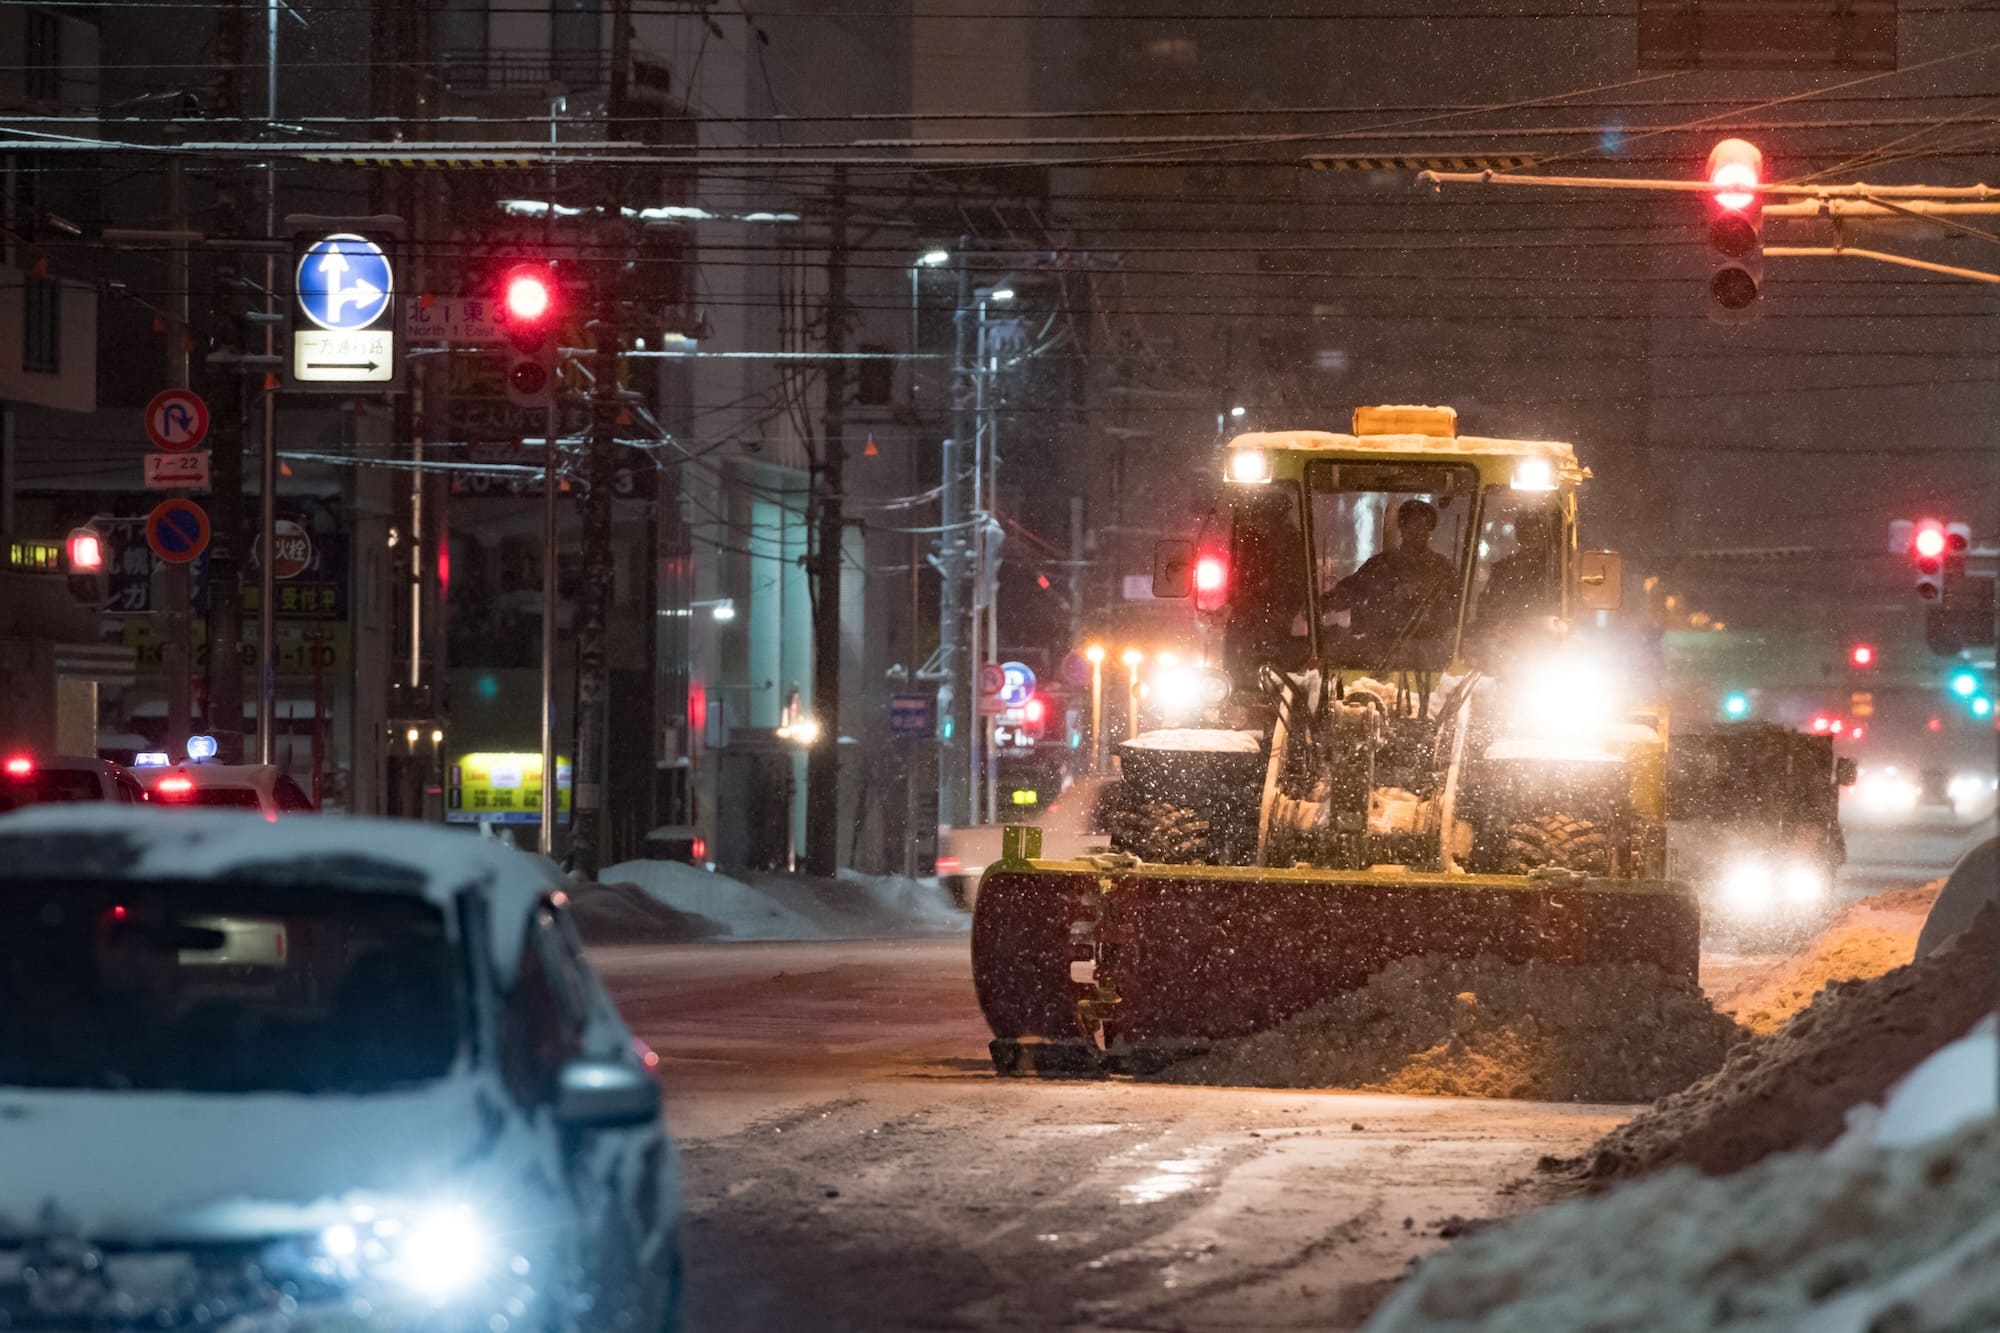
(1080, 967)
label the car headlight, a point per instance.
(437, 1255)
(444, 1252)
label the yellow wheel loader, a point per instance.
(1407, 736)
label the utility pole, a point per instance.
(823, 758)
(957, 711)
(174, 583)
(593, 671)
(226, 409)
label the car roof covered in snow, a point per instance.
(375, 855)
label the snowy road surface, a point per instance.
(1891, 855)
(853, 1163)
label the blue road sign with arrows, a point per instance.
(345, 283)
(344, 320)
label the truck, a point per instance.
(1753, 815)
(1407, 737)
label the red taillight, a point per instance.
(118, 912)
(1211, 582)
(175, 786)
(19, 766)
(698, 849)
(949, 865)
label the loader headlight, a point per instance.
(1249, 466)
(1569, 695)
(1183, 691)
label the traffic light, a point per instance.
(1735, 229)
(1735, 706)
(89, 581)
(531, 300)
(1964, 683)
(1927, 550)
(1861, 656)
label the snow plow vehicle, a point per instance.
(1402, 741)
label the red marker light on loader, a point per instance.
(19, 766)
(1211, 582)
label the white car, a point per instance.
(327, 1073)
(263, 788)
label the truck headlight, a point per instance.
(1745, 885)
(1805, 883)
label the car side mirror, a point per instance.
(1173, 569)
(605, 1094)
(1845, 771)
(1601, 575)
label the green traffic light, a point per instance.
(1736, 705)
(1964, 683)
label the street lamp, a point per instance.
(934, 258)
(1094, 654)
(1133, 657)
(1239, 412)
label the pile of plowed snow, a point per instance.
(1487, 1028)
(1904, 1239)
(1792, 1088)
(1866, 939)
(650, 902)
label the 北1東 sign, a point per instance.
(344, 308)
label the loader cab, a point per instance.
(1401, 547)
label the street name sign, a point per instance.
(455, 319)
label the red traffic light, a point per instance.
(528, 293)
(1862, 655)
(1929, 541)
(1035, 710)
(1735, 168)
(86, 552)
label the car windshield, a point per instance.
(221, 988)
(1389, 546)
(47, 786)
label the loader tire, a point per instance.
(1562, 841)
(1164, 833)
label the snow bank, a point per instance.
(656, 901)
(1792, 1089)
(1904, 1239)
(1954, 1088)
(1487, 1028)
(734, 907)
(1866, 939)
